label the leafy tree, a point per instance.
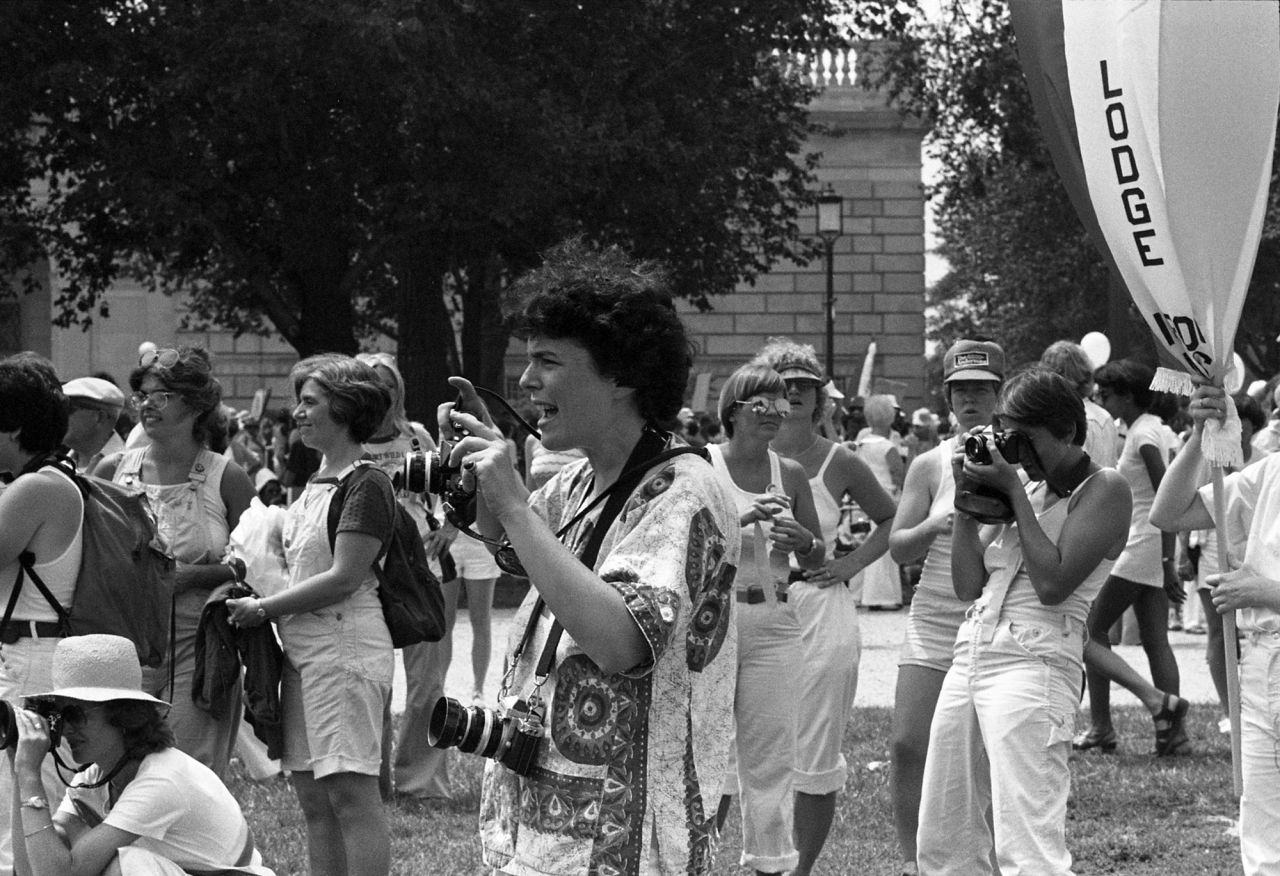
(318, 168)
(1023, 269)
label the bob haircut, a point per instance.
(143, 725)
(879, 411)
(620, 310)
(1249, 409)
(1127, 376)
(748, 380)
(357, 398)
(191, 377)
(1071, 361)
(778, 352)
(1040, 397)
(32, 406)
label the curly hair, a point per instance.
(1127, 377)
(750, 379)
(357, 398)
(781, 353)
(144, 726)
(1040, 397)
(619, 309)
(191, 377)
(32, 406)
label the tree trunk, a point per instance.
(424, 335)
(484, 335)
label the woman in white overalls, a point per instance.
(775, 508)
(197, 496)
(996, 778)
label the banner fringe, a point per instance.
(1176, 382)
(1220, 442)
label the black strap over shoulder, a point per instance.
(647, 454)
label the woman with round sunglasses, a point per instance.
(197, 496)
(996, 778)
(825, 607)
(339, 661)
(627, 660)
(139, 806)
(778, 520)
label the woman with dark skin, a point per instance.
(1145, 577)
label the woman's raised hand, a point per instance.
(1207, 403)
(33, 741)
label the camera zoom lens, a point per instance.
(448, 721)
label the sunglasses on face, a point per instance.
(158, 399)
(164, 358)
(759, 405)
(72, 713)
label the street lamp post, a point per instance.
(830, 227)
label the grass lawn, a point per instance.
(1129, 813)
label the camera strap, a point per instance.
(647, 454)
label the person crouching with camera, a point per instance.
(615, 714)
(996, 773)
(139, 806)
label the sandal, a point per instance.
(1091, 738)
(1171, 732)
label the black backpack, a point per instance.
(412, 602)
(125, 584)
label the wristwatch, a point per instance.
(261, 612)
(36, 802)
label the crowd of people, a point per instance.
(690, 637)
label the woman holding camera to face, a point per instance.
(996, 777)
(635, 650)
(338, 656)
(140, 807)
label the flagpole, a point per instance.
(1230, 639)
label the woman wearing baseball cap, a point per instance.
(137, 800)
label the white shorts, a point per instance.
(473, 559)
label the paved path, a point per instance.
(881, 638)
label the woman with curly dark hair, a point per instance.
(198, 497)
(140, 807)
(637, 691)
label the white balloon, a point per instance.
(146, 347)
(1235, 375)
(1097, 348)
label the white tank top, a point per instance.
(755, 536)
(826, 504)
(935, 577)
(58, 574)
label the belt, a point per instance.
(20, 629)
(754, 595)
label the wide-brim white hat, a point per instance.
(96, 669)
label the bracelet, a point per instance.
(814, 541)
(30, 834)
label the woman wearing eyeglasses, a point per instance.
(777, 517)
(339, 662)
(996, 778)
(638, 687)
(139, 807)
(197, 496)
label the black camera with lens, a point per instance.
(509, 735)
(428, 471)
(46, 707)
(987, 504)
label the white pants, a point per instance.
(1260, 748)
(996, 775)
(831, 642)
(26, 667)
(763, 752)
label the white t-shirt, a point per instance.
(1253, 496)
(1140, 562)
(180, 811)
